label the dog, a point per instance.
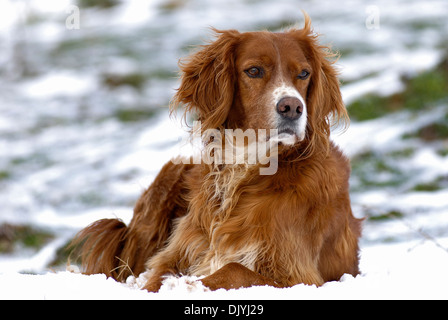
(227, 222)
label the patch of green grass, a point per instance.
(171, 5)
(38, 159)
(376, 162)
(135, 80)
(403, 153)
(430, 186)
(91, 198)
(66, 53)
(68, 46)
(369, 107)
(417, 24)
(134, 115)
(422, 91)
(375, 171)
(163, 74)
(426, 89)
(33, 238)
(22, 235)
(98, 3)
(438, 184)
(443, 152)
(431, 132)
(393, 214)
(4, 175)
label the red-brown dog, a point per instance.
(228, 222)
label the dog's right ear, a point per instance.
(208, 80)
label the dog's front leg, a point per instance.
(155, 282)
(234, 276)
(185, 247)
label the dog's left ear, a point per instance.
(324, 98)
(208, 80)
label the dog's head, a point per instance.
(264, 80)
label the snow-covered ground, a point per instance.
(84, 129)
(408, 270)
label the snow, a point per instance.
(49, 85)
(384, 133)
(68, 160)
(410, 270)
(393, 67)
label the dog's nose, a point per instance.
(290, 108)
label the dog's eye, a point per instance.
(303, 75)
(254, 72)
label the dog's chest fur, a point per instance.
(240, 221)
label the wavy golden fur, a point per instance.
(228, 222)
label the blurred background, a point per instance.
(84, 127)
